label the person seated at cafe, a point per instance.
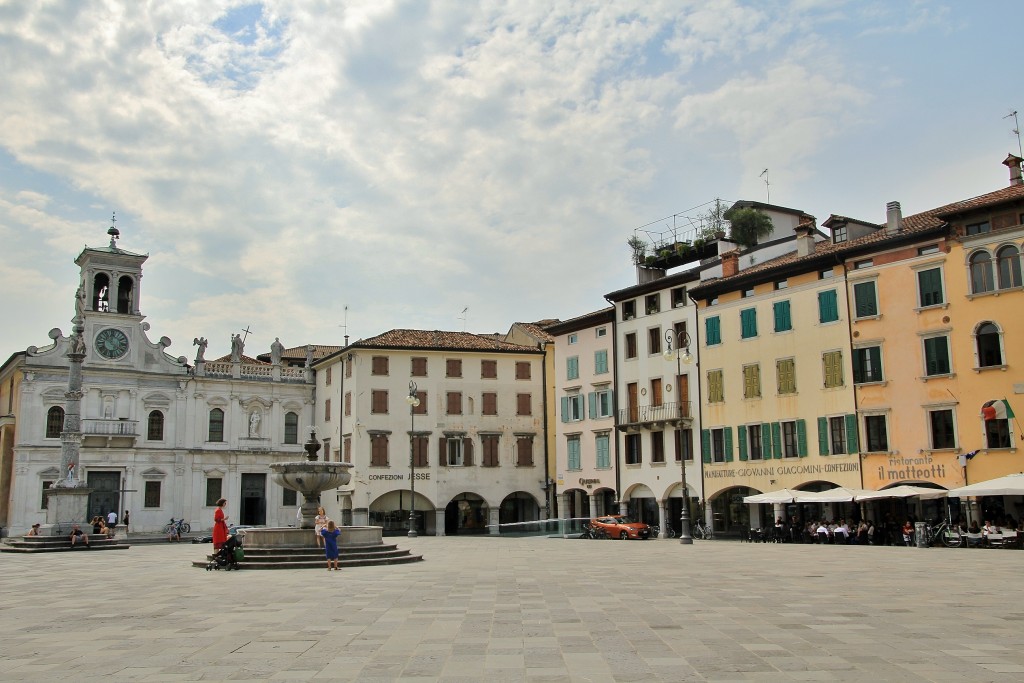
(78, 536)
(871, 532)
(908, 533)
(823, 533)
(862, 533)
(974, 528)
(990, 528)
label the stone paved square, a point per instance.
(521, 609)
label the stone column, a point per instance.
(593, 506)
(754, 511)
(623, 507)
(439, 522)
(492, 521)
(662, 519)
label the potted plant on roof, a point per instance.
(639, 248)
(748, 225)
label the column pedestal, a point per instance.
(66, 506)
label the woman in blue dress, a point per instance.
(330, 535)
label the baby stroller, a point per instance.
(226, 557)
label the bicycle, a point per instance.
(183, 526)
(943, 531)
(702, 531)
(656, 531)
(592, 532)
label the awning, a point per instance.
(1010, 485)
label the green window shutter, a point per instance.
(748, 323)
(600, 362)
(741, 437)
(801, 438)
(572, 369)
(828, 309)
(777, 440)
(712, 331)
(727, 443)
(937, 355)
(705, 445)
(565, 408)
(930, 285)
(592, 403)
(822, 436)
(783, 322)
(866, 302)
(852, 443)
(574, 454)
(766, 441)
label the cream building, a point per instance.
(473, 444)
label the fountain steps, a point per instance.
(313, 558)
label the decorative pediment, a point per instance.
(153, 473)
(157, 400)
(214, 472)
(217, 402)
(256, 402)
(53, 394)
(49, 473)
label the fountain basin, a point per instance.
(290, 537)
(310, 478)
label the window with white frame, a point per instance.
(929, 288)
(600, 403)
(982, 275)
(573, 460)
(876, 433)
(942, 428)
(572, 408)
(989, 345)
(936, 356)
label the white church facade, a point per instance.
(161, 437)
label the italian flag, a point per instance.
(998, 409)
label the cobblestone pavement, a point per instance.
(536, 609)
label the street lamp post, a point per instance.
(413, 400)
(682, 344)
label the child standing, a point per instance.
(330, 535)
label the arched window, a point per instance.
(124, 294)
(216, 425)
(981, 272)
(1008, 259)
(101, 292)
(155, 426)
(54, 422)
(291, 427)
(989, 349)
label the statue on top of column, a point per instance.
(201, 352)
(276, 351)
(237, 347)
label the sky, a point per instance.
(309, 169)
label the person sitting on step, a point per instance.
(78, 536)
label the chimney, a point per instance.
(730, 263)
(805, 236)
(893, 218)
(1013, 163)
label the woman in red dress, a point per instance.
(220, 525)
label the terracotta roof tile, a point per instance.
(437, 339)
(537, 329)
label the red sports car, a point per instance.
(621, 526)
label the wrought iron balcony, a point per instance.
(647, 417)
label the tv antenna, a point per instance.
(462, 317)
(1016, 131)
(344, 324)
(764, 174)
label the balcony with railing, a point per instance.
(675, 414)
(98, 431)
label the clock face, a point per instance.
(111, 343)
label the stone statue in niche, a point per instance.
(254, 424)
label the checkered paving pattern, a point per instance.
(524, 609)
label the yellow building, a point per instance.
(10, 386)
(777, 403)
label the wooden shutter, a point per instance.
(442, 451)
(823, 448)
(467, 451)
(776, 440)
(727, 443)
(852, 442)
(592, 404)
(801, 438)
(565, 408)
(741, 437)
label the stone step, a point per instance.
(54, 544)
(318, 563)
(319, 552)
(317, 557)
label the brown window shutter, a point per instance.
(442, 451)
(467, 451)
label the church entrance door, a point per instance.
(254, 499)
(106, 493)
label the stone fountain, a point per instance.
(296, 548)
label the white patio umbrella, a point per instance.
(780, 496)
(836, 495)
(1010, 485)
(903, 491)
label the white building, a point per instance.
(161, 438)
(477, 431)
